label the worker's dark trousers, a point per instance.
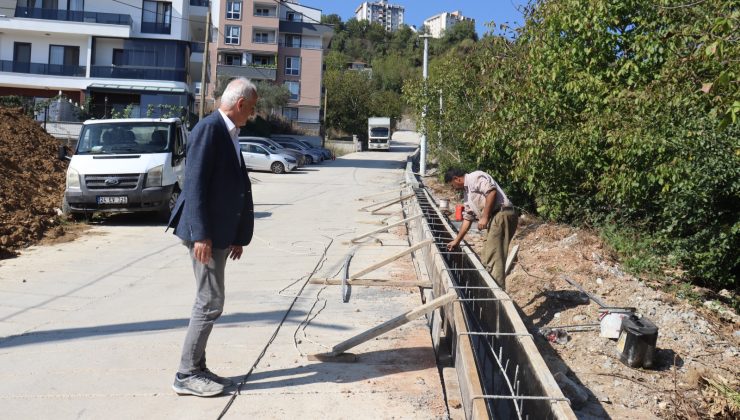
(208, 306)
(496, 248)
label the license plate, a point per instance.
(113, 200)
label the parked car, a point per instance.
(261, 158)
(313, 156)
(326, 153)
(276, 148)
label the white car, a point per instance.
(259, 158)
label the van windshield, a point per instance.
(122, 138)
(379, 132)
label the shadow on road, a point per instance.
(227, 321)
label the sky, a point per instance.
(482, 11)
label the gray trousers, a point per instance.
(208, 306)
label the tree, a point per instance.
(271, 97)
(348, 101)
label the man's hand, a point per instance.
(483, 223)
(452, 244)
(235, 252)
(203, 251)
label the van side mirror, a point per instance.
(63, 152)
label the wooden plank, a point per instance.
(393, 323)
(510, 259)
(405, 197)
(389, 202)
(373, 282)
(390, 259)
(465, 365)
(383, 229)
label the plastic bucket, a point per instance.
(636, 342)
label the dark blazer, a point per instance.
(216, 201)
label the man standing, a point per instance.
(486, 202)
(214, 217)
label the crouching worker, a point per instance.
(487, 203)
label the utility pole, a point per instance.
(423, 157)
(326, 128)
(441, 118)
(204, 69)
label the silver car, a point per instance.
(260, 158)
(276, 148)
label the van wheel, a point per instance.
(166, 211)
(277, 167)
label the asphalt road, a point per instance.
(93, 328)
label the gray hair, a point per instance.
(240, 87)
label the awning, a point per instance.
(134, 88)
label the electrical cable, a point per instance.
(275, 333)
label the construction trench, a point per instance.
(474, 324)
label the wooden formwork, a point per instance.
(449, 324)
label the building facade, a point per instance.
(142, 55)
(438, 24)
(275, 42)
(389, 16)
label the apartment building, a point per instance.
(390, 16)
(137, 53)
(277, 42)
(438, 24)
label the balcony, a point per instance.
(155, 28)
(73, 16)
(143, 73)
(250, 72)
(309, 45)
(202, 3)
(41, 68)
(197, 47)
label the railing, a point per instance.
(155, 28)
(197, 47)
(303, 44)
(259, 41)
(73, 16)
(250, 71)
(41, 68)
(144, 73)
(202, 3)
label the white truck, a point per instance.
(378, 133)
(126, 165)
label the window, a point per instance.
(261, 11)
(290, 113)
(22, 57)
(232, 34)
(261, 37)
(294, 17)
(295, 90)
(234, 9)
(263, 60)
(118, 57)
(62, 58)
(293, 41)
(156, 17)
(292, 66)
(233, 59)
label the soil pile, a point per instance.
(31, 182)
(697, 365)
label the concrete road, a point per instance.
(93, 328)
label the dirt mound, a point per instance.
(31, 182)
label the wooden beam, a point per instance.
(383, 229)
(373, 282)
(391, 201)
(393, 323)
(390, 259)
(405, 197)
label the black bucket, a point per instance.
(637, 342)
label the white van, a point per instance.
(126, 165)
